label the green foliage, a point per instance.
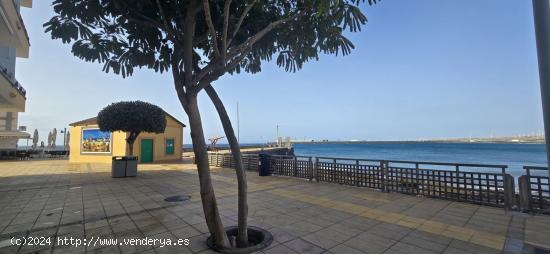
(128, 34)
(132, 117)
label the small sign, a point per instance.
(22, 128)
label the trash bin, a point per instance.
(118, 167)
(131, 165)
(264, 164)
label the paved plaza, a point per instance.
(58, 200)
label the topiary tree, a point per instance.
(199, 41)
(132, 117)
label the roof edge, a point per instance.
(93, 120)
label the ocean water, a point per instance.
(514, 155)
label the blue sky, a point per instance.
(421, 69)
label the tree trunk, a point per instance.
(242, 237)
(130, 140)
(131, 147)
(209, 204)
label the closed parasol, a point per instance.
(35, 139)
(54, 137)
(67, 147)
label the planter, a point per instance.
(118, 168)
(258, 239)
(131, 166)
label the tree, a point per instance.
(199, 41)
(132, 117)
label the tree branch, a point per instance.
(188, 33)
(168, 27)
(241, 20)
(143, 22)
(143, 16)
(226, 6)
(249, 43)
(211, 29)
(237, 54)
(176, 73)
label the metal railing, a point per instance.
(534, 189)
(14, 83)
(295, 166)
(250, 161)
(452, 181)
(473, 183)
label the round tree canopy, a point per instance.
(132, 116)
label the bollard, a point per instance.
(524, 193)
(509, 192)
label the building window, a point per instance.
(169, 146)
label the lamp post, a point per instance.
(541, 14)
(64, 131)
(238, 125)
(277, 141)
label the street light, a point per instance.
(541, 14)
(64, 131)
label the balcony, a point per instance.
(12, 29)
(12, 94)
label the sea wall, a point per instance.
(271, 150)
(266, 150)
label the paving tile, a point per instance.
(425, 243)
(321, 241)
(369, 243)
(343, 249)
(472, 248)
(302, 246)
(301, 215)
(279, 249)
(404, 248)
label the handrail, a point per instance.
(289, 156)
(535, 168)
(422, 162)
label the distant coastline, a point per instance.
(418, 141)
(535, 139)
(496, 140)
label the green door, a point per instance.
(146, 150)
(170, 146)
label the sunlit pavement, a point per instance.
(58, 200)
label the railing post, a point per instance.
(525, 193)
(509, 191)
(310, 169)
(457, 170)
(295, 166)
(333, 171)
(356, 173)
(417, 171)
(316, 169)
(384, 172)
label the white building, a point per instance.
(14, 42)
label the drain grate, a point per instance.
(177, 198)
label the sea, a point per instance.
(515, 155)
(512, 154)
